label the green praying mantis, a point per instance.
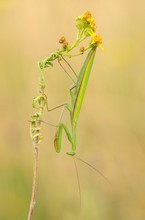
(77, 93)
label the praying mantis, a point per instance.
(77, 93)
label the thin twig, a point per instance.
(35, 171)
(33, 197)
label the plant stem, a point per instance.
(33, 197)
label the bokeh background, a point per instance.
(111, 128)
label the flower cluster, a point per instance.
(86, 27)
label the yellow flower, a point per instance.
(85, 22)
(87, 28)
(96, 40)
(93, 26)
(85, 16)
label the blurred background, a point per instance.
(111, 127)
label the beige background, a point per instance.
(111, 127)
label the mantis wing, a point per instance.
(82, 82)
